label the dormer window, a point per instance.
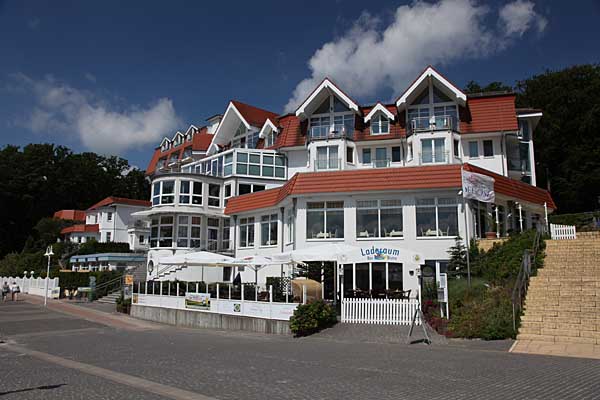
(270, 139)
(331, 119)
(166, 144)
(432, 109)
(380, 125)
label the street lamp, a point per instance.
(49, 253)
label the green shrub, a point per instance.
(312, 317)
(585, 221)
(123, 304)
(94, 247)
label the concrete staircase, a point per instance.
(563, 300)
(110, 298)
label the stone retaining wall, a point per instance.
(199, 319)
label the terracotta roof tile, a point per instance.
(374, 180)
(120, 200)
(253, 115)
(81, 228)
(70, 215)
(200, 142)
(489, 114)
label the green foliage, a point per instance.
(73, 280)
(312, 317)
(474, 87)
(15, 264)
(123, 304)
(93, 247)
(500, 265)
(587, 221)
(278, 287)
(457, 265)
(567, 144)
(39, 179)
(480, 312)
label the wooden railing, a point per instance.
(562, 232)
(522, 283)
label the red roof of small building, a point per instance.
(70, 215)
(80, 228)
(120, 200)
(384, 179)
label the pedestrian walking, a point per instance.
(5, 290)
(15, 290)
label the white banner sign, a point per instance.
(478, 187)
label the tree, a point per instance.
(474, 87)
(567, 145)
(457, 264)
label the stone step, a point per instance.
(558, 339)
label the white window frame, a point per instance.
(269, 220)
(434, 160)
(430, 107)
(160, 194)
(210, 227)
(476, 143)
(289, 220)
(326, 208)
(246, 226)
(109, 216)
(159, 224)
(380, 205)
(377, 121)
(483, 147)
(436, 206)
(214, 197)
(328, 158)
(191, 225)
(315, 120)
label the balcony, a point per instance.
(327, 132)
(437, 157)
(328, 164)
(381, 163)
(434, 123)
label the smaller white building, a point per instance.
(112, 220)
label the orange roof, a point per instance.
(120, 200)
(495, 113)
(253, 115)
(373, 180)
(80, 228)
(200, 142)
(70, 215)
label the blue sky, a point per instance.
(115, 77)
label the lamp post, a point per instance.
(49, 253)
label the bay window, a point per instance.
(247, 232)
(163, 192)
(380, 124)
(268, 230)
(161, 231)
(190, 191)
(214, 195)
(325, 220)
(437, 217)
(212, 234)
(188, 231)
(379, 219)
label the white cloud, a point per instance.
(60, 108)
(518, 17)
(90, 77)
(369, 57)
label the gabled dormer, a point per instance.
(379, 118)
(268, 133)
(178, 139)
(189, 134)
(165, 144)
(431, 103)
(329, 111)
(240, 126)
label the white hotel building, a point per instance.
(380, 176)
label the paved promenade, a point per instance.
(62, 353)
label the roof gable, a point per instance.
(417, 86)
(314, 100)
(382, 109)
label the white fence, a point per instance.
(35, 286)
(246, 308)
(379, 311)
(562, 232)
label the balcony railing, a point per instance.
(434, 157)
(381, 163)
(325, 132)
(328, 164)
(434, 123)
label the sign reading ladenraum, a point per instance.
(197, 301)
(478, 187)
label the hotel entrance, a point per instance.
(379, 280)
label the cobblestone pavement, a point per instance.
(235, 365)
